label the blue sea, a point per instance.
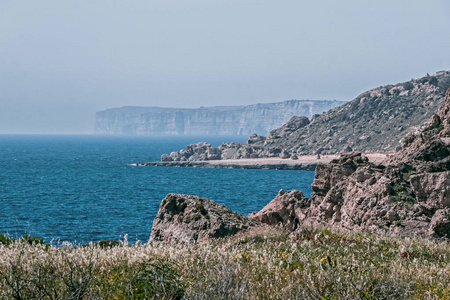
(85, 188)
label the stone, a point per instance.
(284, 154)
(407, 194)
(166, 157)
(440, 224)
(432, 188)
(190, 219)
(253, 138)
(292, 125)
(285, 210)
(347, 149)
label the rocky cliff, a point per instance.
(376, 121)
(226, 120)
(407, 194)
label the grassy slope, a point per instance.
(261, 264)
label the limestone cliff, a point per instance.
(224, 120)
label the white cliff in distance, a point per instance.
(218, 120)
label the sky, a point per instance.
(61, 61)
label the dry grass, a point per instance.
(264, 263)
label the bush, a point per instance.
(4, 240)
(444, 83)
(433, 81)
(408, 85)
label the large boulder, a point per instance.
(188, 219)
(286, 210)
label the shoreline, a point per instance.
(304, 163)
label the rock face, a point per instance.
(187, 219)
(292, 125)
(225, 120)
(286, 210)
(408, 194)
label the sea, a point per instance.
(85, 188)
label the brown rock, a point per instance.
(408, 194)
(286, 209)
(440, 224)
(187, 219)
(432, 188)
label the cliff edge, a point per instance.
(407, 194)
(219, 120)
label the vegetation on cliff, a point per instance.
(376, 121)
(262, 263)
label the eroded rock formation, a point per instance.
(286, 210)
(187, 219)
(408, 194)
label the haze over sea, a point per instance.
(84, 188)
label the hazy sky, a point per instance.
(61, 61)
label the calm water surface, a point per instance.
(83, 188)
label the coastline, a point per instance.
(304, 162)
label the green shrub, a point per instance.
(5, 240)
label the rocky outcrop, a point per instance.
(286, 210)
(202, 151)
(292, 125)
(188, 219)
(408, 194)
(194, 152)
(376, 121)
(224, 120)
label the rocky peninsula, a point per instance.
(304, 162)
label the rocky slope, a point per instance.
(226, 120)
(375, 121)
(407, 194)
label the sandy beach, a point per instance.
(305, 162)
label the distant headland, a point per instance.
(211, 121)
